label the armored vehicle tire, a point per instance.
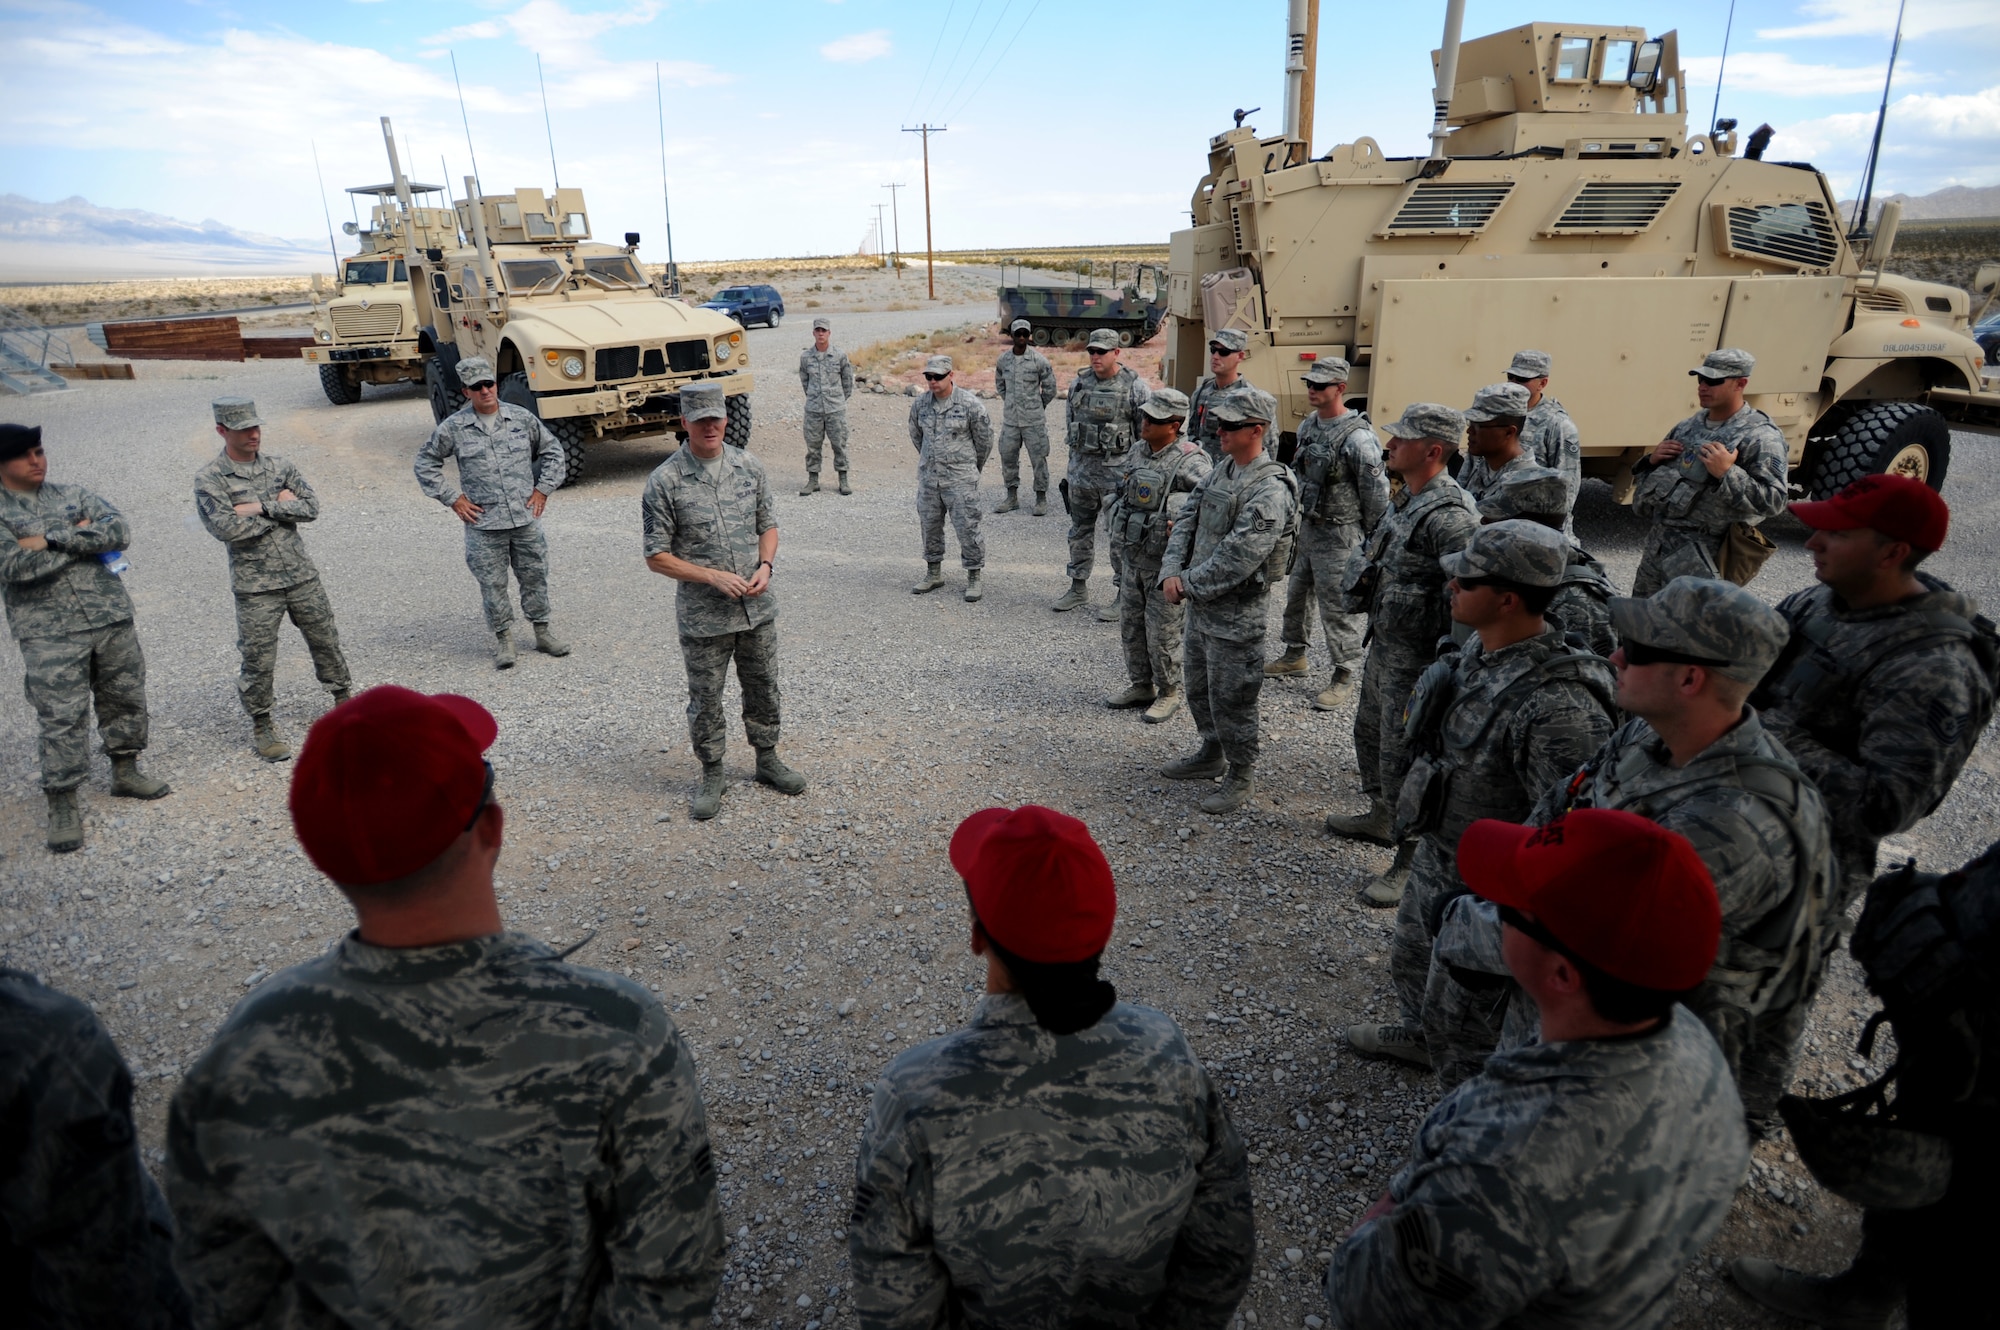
(446, 398)
(737, 434)
(1125, 337)
(339, 389)
(570, 433)
(1893, 438)
(1039, 336)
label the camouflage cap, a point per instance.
(822, 325)
(1243, 409)
(938, 365)
(1020, 325)
(1526, 491)
(1706, 619)
(1427, 420)
(1496, 400)
(1234, 338)
(475, 369)
(236, 413)
(1726, 364)
(1102, 338)
(1530, 365)
(703, 401)
(1524, 553)
(1326, 371)
(1166, 404)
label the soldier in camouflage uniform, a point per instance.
(1582, 606)
(1493, 437)
(1026, 383)
(508, 465)
(710, 524)
(1722, 465)
(1227, 351)
(1549, 436)
(1573, 1180)
(1064, 1159)
(826, 377)
(72, 619)
(253, 502)
(1224, 556)
(1343, 496)
(953, 437)
(1103, 412)
(1143, 511)
(438, 1122)
(1513, 711)
(1397, 579)
(85, 1236)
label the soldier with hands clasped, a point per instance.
(953, 436)
(1026, 384)
(1103, 408)
(1161, 465)
(826, 377)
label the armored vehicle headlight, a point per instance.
(572, 367)
(725, 348)
(323, 334)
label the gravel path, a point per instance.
(799, 942)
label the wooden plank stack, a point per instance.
(218, 338)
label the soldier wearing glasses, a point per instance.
(953, 437)
(1227, 351)
(1104, 419)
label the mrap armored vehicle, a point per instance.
(1564, 206)
(1064, 312)
(366, 330)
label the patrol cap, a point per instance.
(1330, 370)
(1530, 365)
(1020, 325)
(1427, 420)
(1234, 338)
(1524, 553)
(1526, 491)
(1725, 364)
(822, 325)
(1496, 400)
(1242, 409)
(474, 369)
(19, 441)
(1706, 619)
(236, 413)
(938, 365)
(387, 780)
(1616, 890)
(1166, 404)
(1900, 507)
(1038, 882)
(1102, 339)
(703, 401)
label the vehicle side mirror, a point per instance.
(1646, 66)
(631, 240)
(1987, 280)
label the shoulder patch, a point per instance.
(1420, 1262)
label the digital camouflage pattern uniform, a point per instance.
(1478, 479)
(953, 439)
(1691, 511)
(72, 618)
(85, 1238)
(1142, 516)
(1582, 603)
(474, 1134)
(1010, 1179)
(713, 516)
(1550, 438)
(1206, 430)
(1103, 417)
(1026, 383)
(269, 570)
(1343, 496)
(827, 380)
(502, 458)
(1567, 1185)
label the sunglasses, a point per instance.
(937, 378)
(1218, 349)
(485, 796)
(1641, 653)
(480, 386)
(1473, 583)
(1102, 350)
(1522, 923)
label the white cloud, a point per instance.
(1777, 74)
(1877, 18)
(1930, 140)
(858, 47)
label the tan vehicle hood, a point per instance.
(594, 323)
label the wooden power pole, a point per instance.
(930, 250)
(896, 222)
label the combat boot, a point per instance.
(1841, 1302)
(1109, 611)
(1372, 825)
(1394, 1040)
(1206, 764)
(1336, 692)
(1385, 892)
(845, 488)
(772, 771)
(65, 821)
(1237, 787)
(1041, 504)
(972, 591)
(264, 738)
(128, 782)
(1164, 707)
(811, 485)
(933, 579)
(1136, 695)
(341, 695)
(503, 649)
(708, 797)
(1078, 594)
(1292, 662)
(1011, 502)
(547, 642)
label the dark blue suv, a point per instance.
(749, 304)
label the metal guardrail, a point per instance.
(26, 351)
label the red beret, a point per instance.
(1039, 885)
(1900, 507)
(1622, 892)
(387, 780)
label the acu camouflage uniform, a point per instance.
(827, 380)
(953, 439)
(1026, 384)
(1343, 496)
(466, 1135)
(1692, 511)
(1010, 1179)
(713, 516)
(270, 570)
(72, 618)
(1583, 603)
(1567, 1185)
(1142, 515)
(1206, 430)
(1478, 479)
(86, 1242)
(502, 458)
(1550, 437)
(1103, 422)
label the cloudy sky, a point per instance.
(1068, 122)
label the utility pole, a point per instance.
(880, 236)
(930, 250)
(897, 223)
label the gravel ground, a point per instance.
(799, 942)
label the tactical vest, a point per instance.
(1216, 518)
(1100, 413)
(1322, 494)
(1385, 557)
(1692, 484)
(1142, 502)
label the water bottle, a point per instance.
(114, 561)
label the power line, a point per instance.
(998, 60)
(960, 48)
(974, 62)
(942, 29)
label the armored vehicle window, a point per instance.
(615, 270)
(1802, 234)
(510, 214)
(1572, 59)
(575, 226)
(1618, 56)
(533, 276)
(374, 272)
(540, 227)
(441, 289)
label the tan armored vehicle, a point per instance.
(367, 329)
(1564, 206)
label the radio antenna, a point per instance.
(660, 101)
(1859, 225)
(331, 247)
(1722, 68)
(546, 126)
(463, 120)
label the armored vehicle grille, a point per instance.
(1884, 302)
(375, 321)
(654, 362)
(1801, 234)
(687, 357)
(617, 362)
(1447, 208)
(1613, 208)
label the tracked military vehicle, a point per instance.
(1064, 312)
(366, 330)
(1565, 206)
